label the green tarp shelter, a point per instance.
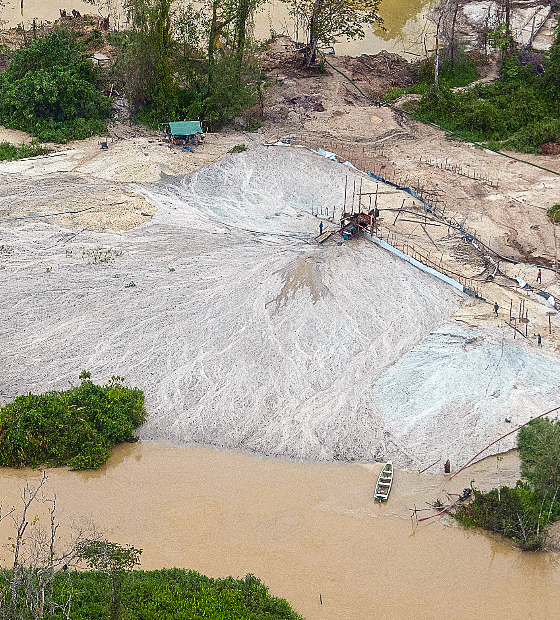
(185, 128)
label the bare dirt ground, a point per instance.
(100, 194)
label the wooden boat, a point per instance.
(384, 482)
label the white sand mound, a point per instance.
(242, 333)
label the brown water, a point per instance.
(305, 530)
(403, 22)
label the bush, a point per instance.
(539, 449)
(520, 514)
(525, 512)
(173, 593)
(10, 152)
(554, 213)
(517, 114)
(50, 90)
(77, 427)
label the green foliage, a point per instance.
(460, 72)
(525, 512)
(520, 514)
(553, 213)
(394, 93)
(50, 90)
(328, 20)
(520, 112)
(517, 114)
(170, 73)
(97, 37)
(539, 449)
(175, 593)
(238, 148)
(10, 152)
(552, 63)
(76, 427)
(114, 560)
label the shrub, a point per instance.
(174, 593)
(76, 427)
(554, 213)
(10, 152)
(539, 449)
(519, 513)
(50, 90)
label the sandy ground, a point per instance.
(196, 276)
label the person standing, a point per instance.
(496, 308)
(539, 340)
(539, 277)
(320, 228)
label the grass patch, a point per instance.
(462, 72)
(11, 152)
(238, 148)
(77, 427)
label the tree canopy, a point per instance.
(326, 21)
(50, 90)
(539, 449)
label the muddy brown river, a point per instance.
(404, 24)
(307, 531)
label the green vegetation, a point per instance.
(10, 152)
(100, 255)
(520, 514)
(525, 512)
(460, 72)
(178, 62)
(77, 427)
(325, 21)
(554, 213)
(238, 148)
(175, 593)
(539, 449)
(39, 584)
(521, 111)
(50, 90)
(113, 560)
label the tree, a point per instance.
(50, 90)
(38, 557)
(112, 559)
(539, 449)
(325, 21)
(552, 63)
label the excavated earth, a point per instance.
(198, 278)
